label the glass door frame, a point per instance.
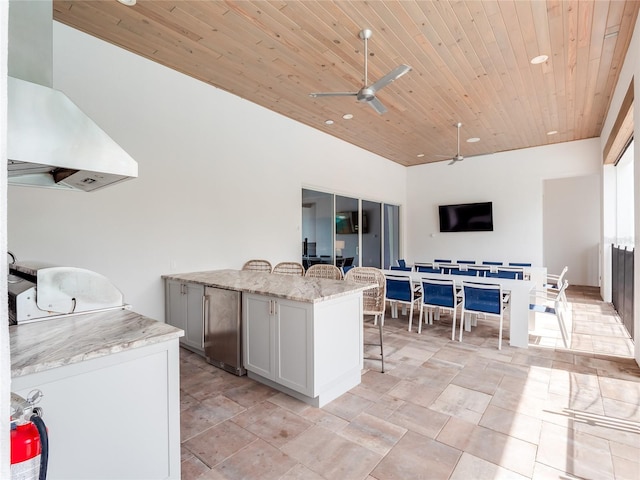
(358, 247)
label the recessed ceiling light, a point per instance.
(611, 34)
(473, 140)
(347, 116)
(552, 132)
(328, 122)
(420, 155)
(539, 59)
(128, 3)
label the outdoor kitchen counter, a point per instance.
(116, 373)
(289, 287)
(48, 344)
(302, 336)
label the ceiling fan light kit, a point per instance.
(367, 94)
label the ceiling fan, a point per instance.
(367, 94)
(457, 157)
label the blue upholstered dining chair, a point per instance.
(400, 268)
(482, 298)
(402, 263)
(442, 260)
(400, 291)
(467, 273)
(438, 293)
(465, 262)
(480, 270)
(448, 269)
(516, 264)
(425, 269)
(503, 273)
(491, 263)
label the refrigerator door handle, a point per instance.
(205, 317)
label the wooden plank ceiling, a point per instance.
(470, 63)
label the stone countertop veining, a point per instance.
(301, 289)
(48, 344)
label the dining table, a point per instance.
(521, 321)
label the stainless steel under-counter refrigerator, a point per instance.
(223, 329)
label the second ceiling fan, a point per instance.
(458, 157)
(367, 94)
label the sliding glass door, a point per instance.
(371, 234)
(391, 235)
(346, 231)
(317, 228)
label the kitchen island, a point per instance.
(302, 336)
(111, 393)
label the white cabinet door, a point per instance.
(184, 309)
(194, 335)
(294, 345)
(278, 338)
(258, 334)
(174, 305)
(113, 417)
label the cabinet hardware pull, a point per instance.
(205, 317)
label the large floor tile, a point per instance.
(416, 456)
(443, 409)
(331, 455)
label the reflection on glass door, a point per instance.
(347, 246)
(391, 235)
(371, 252)
(317, 228)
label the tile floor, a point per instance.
(442, 410)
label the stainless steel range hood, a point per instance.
(50, 141)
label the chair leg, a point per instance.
(410, 316)
(462, 316)
(381, 343)
(453, 328)
(420, 318)
(500, 335)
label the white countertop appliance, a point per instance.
(40, 291)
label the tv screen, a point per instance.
(466, 217)
(347, 222)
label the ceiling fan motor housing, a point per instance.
(365, 95)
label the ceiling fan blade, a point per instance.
(333, 94)
(390, 77)
(377, 105)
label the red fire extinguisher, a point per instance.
(29, 439)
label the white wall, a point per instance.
(513, 181)
(220, 178)
(571, 228)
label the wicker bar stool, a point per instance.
(373, 299)
(257, 266)
(322, 270)
(289, 268)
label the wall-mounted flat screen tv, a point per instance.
(466, 217)
(347, 222)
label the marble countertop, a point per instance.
(301, 289)
(48, 344)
